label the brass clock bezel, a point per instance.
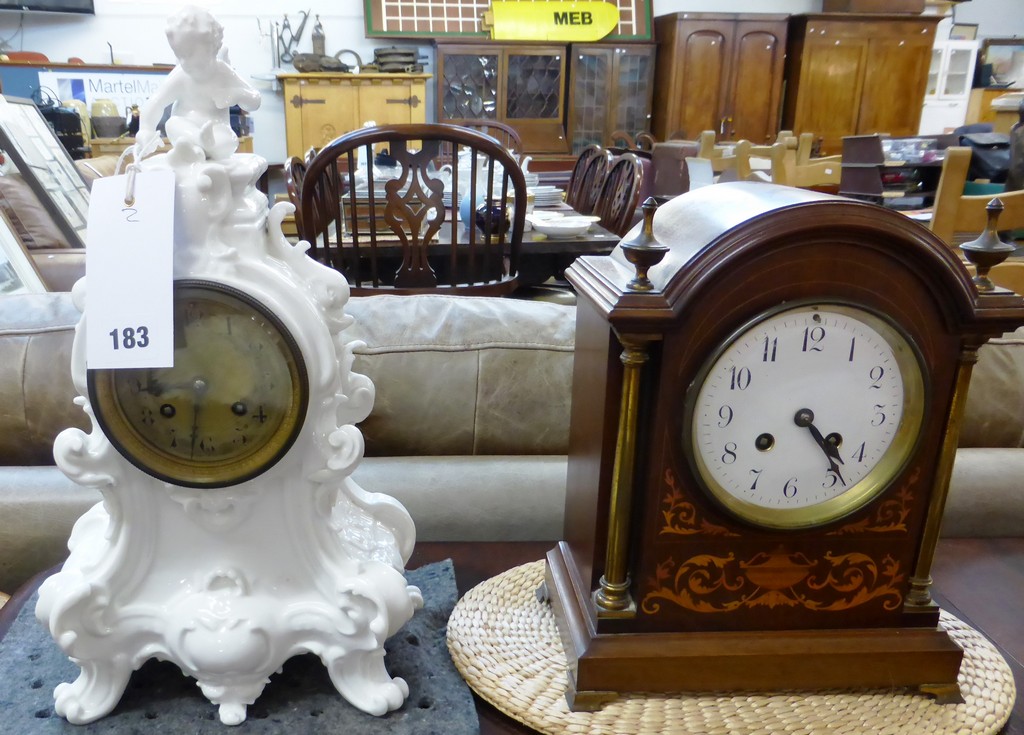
(910, 363)
(187, 473)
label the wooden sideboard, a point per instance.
(979, 106)
(318, 107)
(856, 74)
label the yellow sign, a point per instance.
(509, 20)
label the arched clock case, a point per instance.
(761, 443)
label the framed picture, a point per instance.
(1006, 58)
(27, 138)
(963, 32)
(18, 272)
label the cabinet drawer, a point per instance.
(819, 29)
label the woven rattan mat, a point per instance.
(505, 644)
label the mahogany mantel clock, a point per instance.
(763, 431)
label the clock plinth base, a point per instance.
(926, 658)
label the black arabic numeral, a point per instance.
(740, 378)
(813, 337)
(880, 417)
(725, 414)
(729, 456)
(876, 374)
(771, 347)
(757, 476)
(789, 489)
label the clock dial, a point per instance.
(806, 415)
(227, 410)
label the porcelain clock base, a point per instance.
(228, 605)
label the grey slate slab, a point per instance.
(160, 700)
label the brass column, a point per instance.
(921, 579)
(612, 596)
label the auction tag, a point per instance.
(129, 267)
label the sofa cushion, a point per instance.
(994, 416)
(36, 391)
(465, 375)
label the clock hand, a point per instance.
(199, 388)
(805, 418)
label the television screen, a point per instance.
(52, 6)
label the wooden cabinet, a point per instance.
(720, 72)
(319, 107)
(856, 75)
(979, 106)
(519, 84)
(611, 88)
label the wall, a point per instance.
(133, 31)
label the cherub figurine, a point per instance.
(202, 88)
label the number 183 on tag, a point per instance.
(129, 267)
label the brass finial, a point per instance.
(988, 250)
(644, 251)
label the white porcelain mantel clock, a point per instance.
(231, 535)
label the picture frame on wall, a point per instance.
(35, 150)
(1005, 58)
(963, 32)
(18, 271)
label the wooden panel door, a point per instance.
(753, 100)
(829, 95)
(692, 75)
(720, 72)
(895, 78)
(320, 107)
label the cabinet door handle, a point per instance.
(298, 101)
(413, 101)
(725, 121)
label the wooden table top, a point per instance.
(981, 581)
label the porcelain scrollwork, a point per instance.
(228, 583)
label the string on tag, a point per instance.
(131, 169)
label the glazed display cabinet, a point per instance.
(612, 88)
(559, 98)
(521, 85)
(949, 86)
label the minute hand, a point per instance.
(805, 418)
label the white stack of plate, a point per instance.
(546, 196)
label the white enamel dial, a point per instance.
(806, 415)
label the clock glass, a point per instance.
(228, 409)
(806, 414)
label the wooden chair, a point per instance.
(959, 217)
(1008, 274)
(621, 139)
(505, 134)
(399, 232)
(620, 194)
(642, 141)
(585, 181)
(294, 173)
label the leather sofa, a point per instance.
(469, 429)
